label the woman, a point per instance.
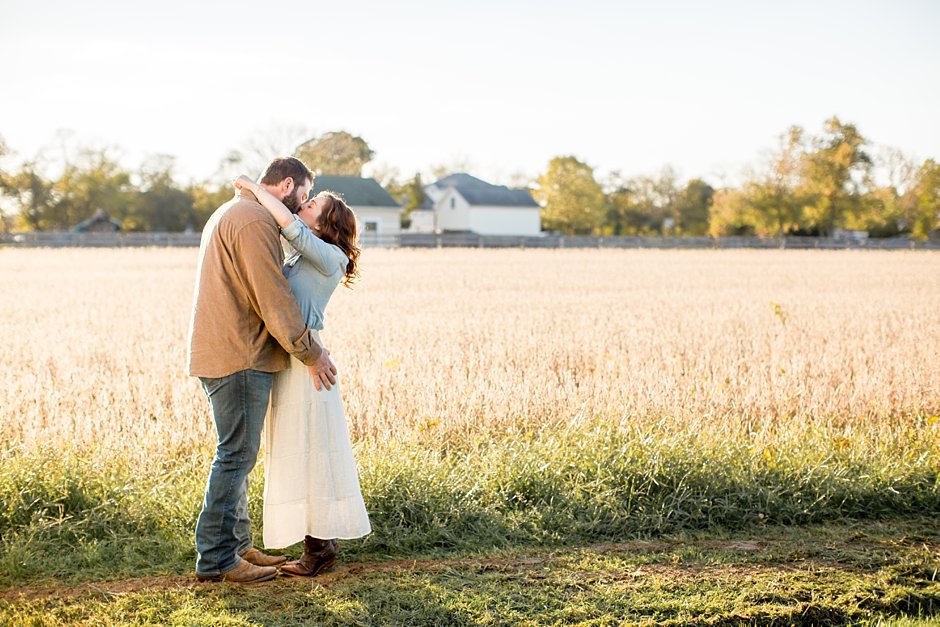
(311, 485)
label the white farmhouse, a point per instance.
(378, 214)
(462, 203)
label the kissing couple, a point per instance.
(255, 346)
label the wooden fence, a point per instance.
(65, 239)
(469, 240)
(451, 240)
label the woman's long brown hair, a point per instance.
(338, 226)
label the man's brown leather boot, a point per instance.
(256, 557)
(244, 572)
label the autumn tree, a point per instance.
(94, 180)
(4, 151)
(409, 194)
(159, 205)
(646, 205)
(926, 215)
(572, 200)
(731, 213)
(337, 153)
(6, 220)
(833, 172)
(621, 216)
(890, 209)
(206, 198)
(665, 195)
(692, 206)
(31, 192)
(775, 195)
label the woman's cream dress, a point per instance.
(311, 484)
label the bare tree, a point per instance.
(254, 153)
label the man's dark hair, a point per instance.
(284, 167)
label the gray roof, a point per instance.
(358, 191)
(477, 192)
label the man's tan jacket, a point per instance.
(243, 310)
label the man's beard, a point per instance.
(291, 202)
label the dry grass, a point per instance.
(450, 345)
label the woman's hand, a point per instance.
(281, 214)
(243, 182)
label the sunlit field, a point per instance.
(511, 409)
(445, 347)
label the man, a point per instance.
(244, 323)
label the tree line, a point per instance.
(810, 184)
(89, 179)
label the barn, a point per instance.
(100, 222)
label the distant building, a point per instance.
(844, 235)
(378, 213)
(461, 203)
(101, 222)
(423, 219)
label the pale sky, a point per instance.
(504, 86)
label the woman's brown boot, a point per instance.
(318, 556)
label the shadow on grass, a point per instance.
(671, 585)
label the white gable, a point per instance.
(453, 212)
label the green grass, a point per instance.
(848, 535)
(68, 517)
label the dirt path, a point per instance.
(359, 569)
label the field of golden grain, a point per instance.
(444, 345)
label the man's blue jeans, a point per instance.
(239, 402)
